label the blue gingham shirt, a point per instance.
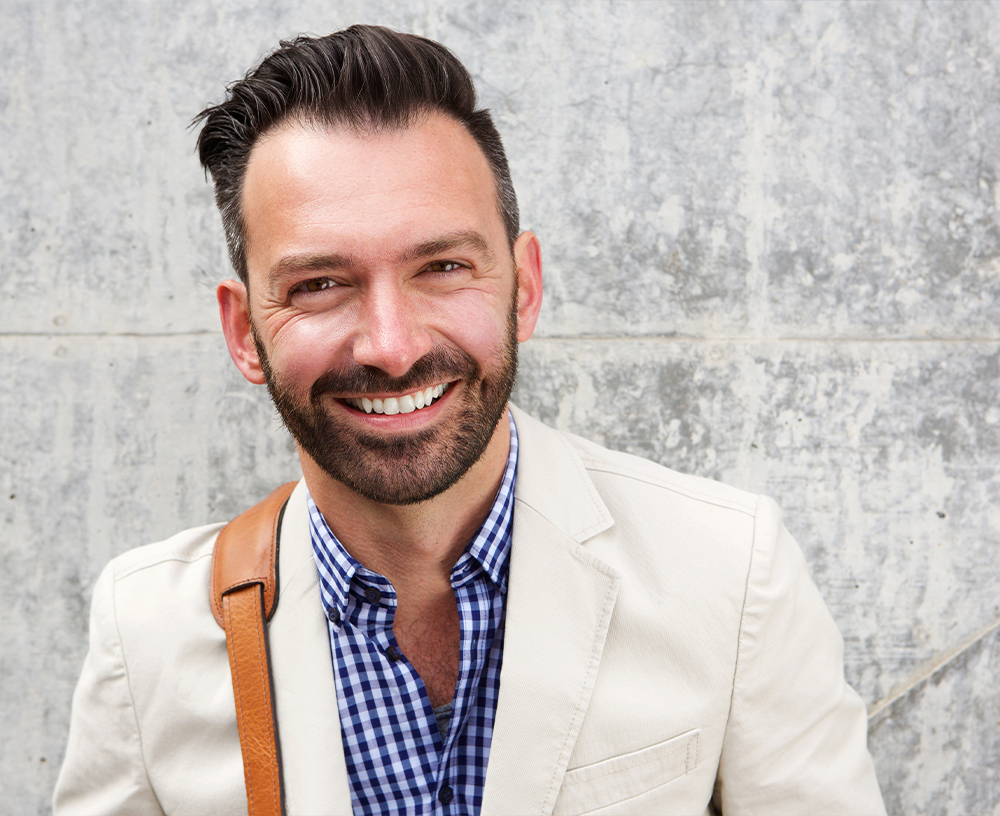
(397, 762)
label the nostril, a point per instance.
(392, 357)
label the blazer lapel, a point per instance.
(312, 750)
(559, 605)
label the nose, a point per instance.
(390, 335)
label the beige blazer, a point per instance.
(665, 653)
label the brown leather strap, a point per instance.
(246, 640)
(244, 595)
(246, 552)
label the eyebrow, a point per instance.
(310, 263)
(331, 262)
(468, 239)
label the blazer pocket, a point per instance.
(613, 780)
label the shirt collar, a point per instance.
(489, 548)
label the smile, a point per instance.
(406, 404)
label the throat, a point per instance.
(430, 639)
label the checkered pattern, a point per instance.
(396, 761)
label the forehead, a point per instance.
(311, 188)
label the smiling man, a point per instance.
(474, 613)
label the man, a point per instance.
(475, 613)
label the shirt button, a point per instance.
(446, 795)
(333, 614)
(373, 595)
(393, 654)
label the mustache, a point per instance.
(436, 366)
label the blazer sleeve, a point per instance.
(796, 739)
(104, 772)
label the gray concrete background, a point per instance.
(772, 257)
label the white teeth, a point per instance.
(406, 404)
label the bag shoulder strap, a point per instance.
(244, 595)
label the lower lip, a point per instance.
(401, 421)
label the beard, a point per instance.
(398, 468)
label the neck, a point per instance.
(412, 544)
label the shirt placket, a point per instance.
(371, 611)
(476, 627)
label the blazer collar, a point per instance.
(553, 481)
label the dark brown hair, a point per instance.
(364, 77)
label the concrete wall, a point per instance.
(772, 257)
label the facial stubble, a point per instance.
(398, 468)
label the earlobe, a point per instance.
(234, 311)
(528, 261)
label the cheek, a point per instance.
(304, 347)
(481, 332)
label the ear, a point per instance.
(528, 262)
(234, 311)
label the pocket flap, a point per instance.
(622, 777)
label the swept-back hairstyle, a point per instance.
(364, 77)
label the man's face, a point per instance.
(384, 301)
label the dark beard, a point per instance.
(400, 469)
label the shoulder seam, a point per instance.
(739, 636)
(601, 466)
(133, 568)
(131, 694)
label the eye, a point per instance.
(445, 266)
(315, 285)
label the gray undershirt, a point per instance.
(443, 716)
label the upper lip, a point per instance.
(395, 394)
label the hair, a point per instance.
(368, 78)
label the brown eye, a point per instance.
(444, 266)
(317, 285)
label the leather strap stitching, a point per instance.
(243, 595)
(245, 641)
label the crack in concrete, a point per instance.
(936, 664)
